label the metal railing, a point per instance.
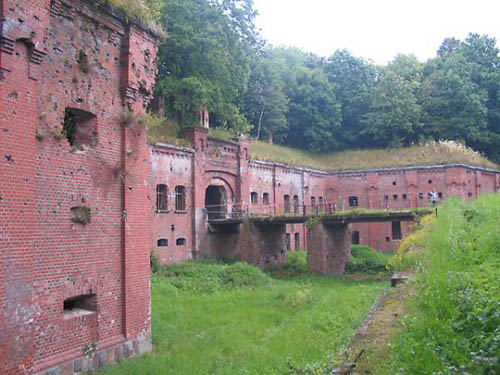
(235, 211)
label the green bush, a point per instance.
(366, 260)
(296, 263)
(455, 325)
(209, 276)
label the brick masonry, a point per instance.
(63, 63)
(226, 165)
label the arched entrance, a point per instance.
(216, 202)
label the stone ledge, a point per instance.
(103, 357)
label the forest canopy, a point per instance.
(215, 58)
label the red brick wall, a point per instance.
(69, 55)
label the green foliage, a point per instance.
(366, 260)
(222, 134)
(248, 330)
(296, 264)
(204, 63)
(209, 277)
(162, 130)
(148, 11)
(454, 328)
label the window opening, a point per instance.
(353, 201)
(321, 204)
(254, 198)
(297, 241)
(162, 242)
(396, 230)
(313, 204)
(288, 242)
(180, 198)
(286, 200)
(355, 237)
(295, 204)
(79, 305)
(265, 198)
(80, 128)
(180, 242)
(161, 198)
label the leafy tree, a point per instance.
(353, 80)
(205, 61)
(265, 104)
(394, 117)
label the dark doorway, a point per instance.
(216, 202)
(355, 237)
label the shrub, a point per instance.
(210, 276)
(405, 259)
(366, 260)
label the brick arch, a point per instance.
(222, 178)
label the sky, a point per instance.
(375, 29)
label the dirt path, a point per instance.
(375, 336)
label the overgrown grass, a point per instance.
(454, 327)
(432, 153)
(146, 11)
(366, 260)
(163, 130)
(222, 134)
(234, 319)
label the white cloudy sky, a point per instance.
(375, 29)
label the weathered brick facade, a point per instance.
(226, 165)
(74, 186)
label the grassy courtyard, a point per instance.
(234, 319)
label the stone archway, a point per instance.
(216, 202)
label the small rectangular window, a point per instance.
(286, 199)
(353, 201)
(321, 204)
(162, 242)
(396, 230)
(265, 198)
(79, 306)
(405, 197)
(295, 204)
(395, 197)
(161, 198)
(313, 204)
(288, 242)
(180, 198)
(254, 198)
(355, 237)
(297, 241)
(180, 242)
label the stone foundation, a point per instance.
(103, 357)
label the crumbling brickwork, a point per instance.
(74, 186)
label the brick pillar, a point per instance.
(329, 248)
(21, 53)
(243, 185)
(138, 53)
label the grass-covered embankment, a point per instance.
(454, 323)
(234, 319)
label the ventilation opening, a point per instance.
(80, 215)
(79, 306)
(180, 242)
(80, 128)
(353, 201)
(355, 237)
